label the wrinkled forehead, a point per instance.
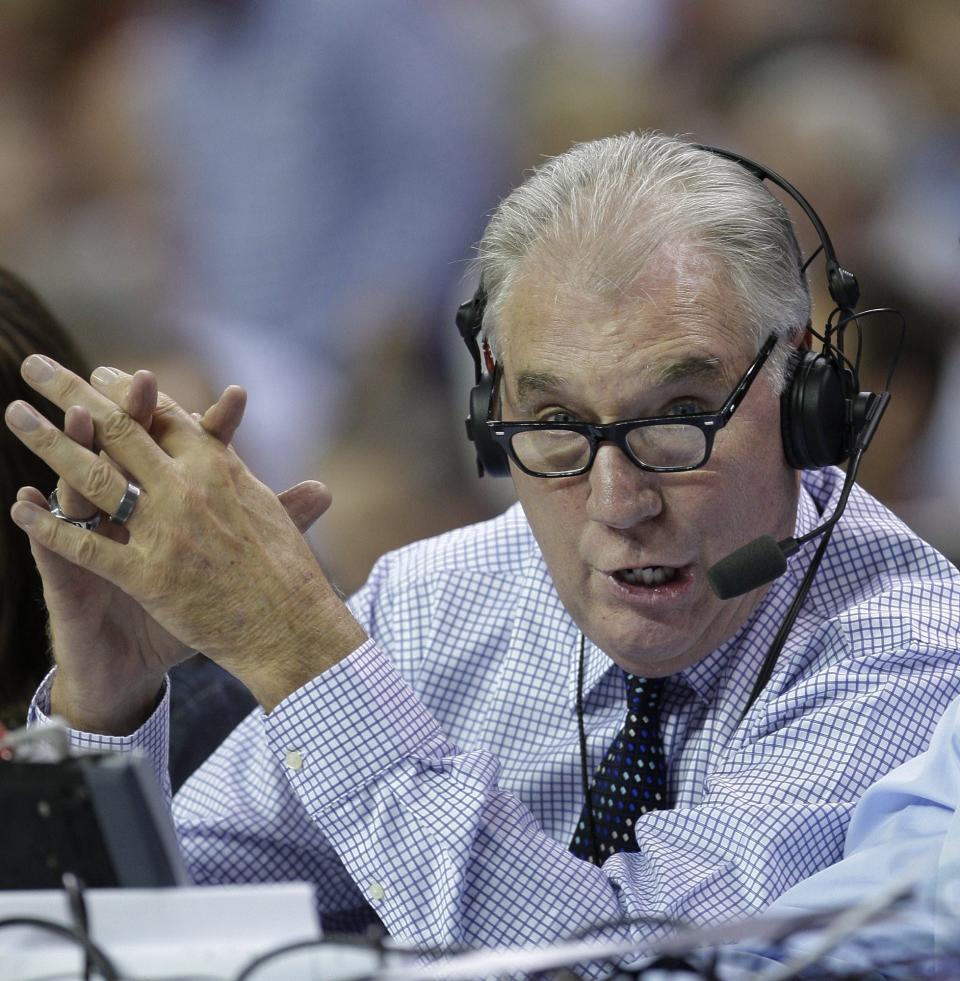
(679, 302)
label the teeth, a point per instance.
(649, 576)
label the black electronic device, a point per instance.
(491, 458)
(100, 817)
(822, 409)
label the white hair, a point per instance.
(611, 204)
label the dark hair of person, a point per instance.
(26, 327)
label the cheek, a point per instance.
(747, 480)
(755, 492)
(556, 510)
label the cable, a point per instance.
(77, 905)
(841, 928)
(811, 257)
(99, 959)
(585, 777)
(377, 944)
(770, 661)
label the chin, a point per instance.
(649, 652)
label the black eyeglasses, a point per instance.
(662, 444)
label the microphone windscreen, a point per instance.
(758, 562)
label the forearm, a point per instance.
(303, 635)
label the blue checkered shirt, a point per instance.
(435, 773)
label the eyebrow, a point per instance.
(709, 367)
(529, 383)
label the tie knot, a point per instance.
(643, 694)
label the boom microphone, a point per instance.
(758, 562)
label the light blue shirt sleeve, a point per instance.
(906, 826)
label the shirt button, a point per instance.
(375, 892)
(293, 759)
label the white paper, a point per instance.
(209, 931)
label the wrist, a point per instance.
(295, 650)
(106, 710)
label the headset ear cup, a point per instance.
(813, 412)
(491, 457)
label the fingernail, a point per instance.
(23, 514)
(21, 416)
(103, 375)
(37, 368)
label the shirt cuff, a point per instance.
(152, 738)
(349, 725)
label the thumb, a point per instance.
(225, 415)
(305, 502)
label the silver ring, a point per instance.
(87, 524)
(127, 503)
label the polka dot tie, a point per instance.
(631, 780)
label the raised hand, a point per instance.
(88, 614)
(110, 648)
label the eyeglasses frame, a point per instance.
(710, 423)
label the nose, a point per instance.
(621, 494)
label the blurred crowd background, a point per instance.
(285, 193)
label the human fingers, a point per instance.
(32, 496)
(158, 414)
(225, 415)
(137, 393)
(57, 574)
(305, 502)
(141, 397)
(97, 553)
(78, 426)
(91, 476)
(118, 434)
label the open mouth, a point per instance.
(652, 577)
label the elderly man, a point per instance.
(525, 728)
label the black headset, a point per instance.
(822, 410)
